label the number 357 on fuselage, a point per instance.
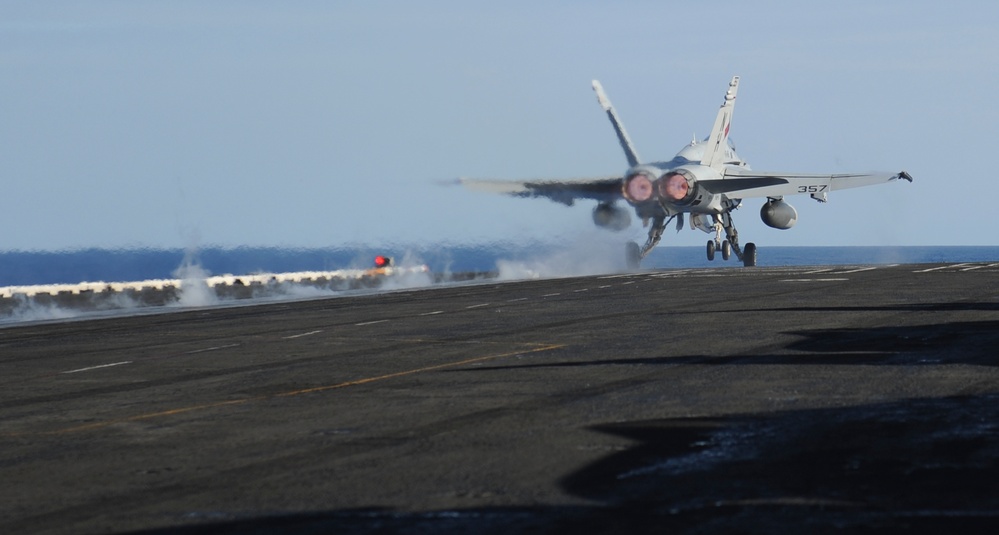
(706, 180)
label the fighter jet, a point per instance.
(706, 180)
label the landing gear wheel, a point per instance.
(632, 255)
(726, 250)
(749, 255)
(711, 250)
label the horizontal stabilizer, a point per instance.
(743, 183)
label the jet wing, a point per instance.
(605, 189)
(741, 183)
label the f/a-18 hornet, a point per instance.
(706, 179)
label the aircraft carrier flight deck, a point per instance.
(856, 398)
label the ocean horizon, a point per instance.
(20, 268)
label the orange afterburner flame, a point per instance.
(674, 187)
(638, 188)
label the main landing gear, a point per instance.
(730, 244)
(748, 254)
(634, 254)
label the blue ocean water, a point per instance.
(69, 267)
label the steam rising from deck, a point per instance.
(588, 253)
(194, 290)
(194, 286)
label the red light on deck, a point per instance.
(382, 261)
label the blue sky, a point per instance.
(309, 123)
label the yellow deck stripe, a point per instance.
(205, 406)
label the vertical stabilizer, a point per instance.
(622, 136)
(717, 144)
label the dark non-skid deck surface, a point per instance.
(859, 398)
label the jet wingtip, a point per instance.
(601, 97)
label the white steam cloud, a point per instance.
(588, 253)
(194, 290)
(409, 276)
(27, 309)
(193, 286)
